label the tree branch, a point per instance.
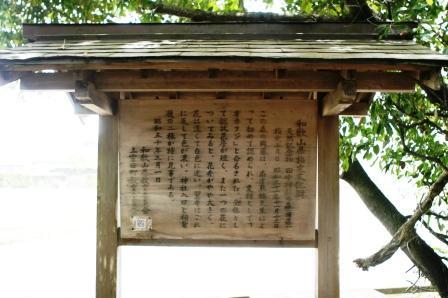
(406, 232)
(437, 97)
(408, 150)
(424, 121)
(197, 15)
(439, 216)
(359, 10)
(441, 237)
(420, 253)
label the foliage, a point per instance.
(15, 12)
(406, 134)
(407, 137)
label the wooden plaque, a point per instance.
(217, 169)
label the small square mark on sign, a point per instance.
(141, 223)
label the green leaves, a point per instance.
(402, 134)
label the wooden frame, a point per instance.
(219, 243)
(107, 230)
(344, 85)
(327, 244)
(225, 80)
(327, 281)
(64, 65)
(234, 30)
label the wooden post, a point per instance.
(107, 236)
(328, 208)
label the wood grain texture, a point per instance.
(229, 213)
(337, 101)
(67, 64)
(225, 80)
(219, 243)
(328, 208)
(107, 235)
(226, 30)
(329, 50)
(90, 98)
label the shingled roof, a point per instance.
(301, 42)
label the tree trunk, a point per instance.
(420, 253)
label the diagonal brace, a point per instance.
(337, 101)
(90, 98)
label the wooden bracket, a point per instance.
(90, 98)
(77, 107)
(340, 99)
(431, 79)
(361, 106)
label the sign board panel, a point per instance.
(217, 169)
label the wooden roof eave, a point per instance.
(229, 63)
(216, 80)
(286, 78)
(224, 30)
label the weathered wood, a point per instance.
(219, 95)
(361, 106)
(77, 108)
(62, 81)
(142, 46)
(8, 77)
(274, 50)
(90, 98)
(219, 243)
(235, 81)
(238, 81)
(382, 57)
(358, 109)
(204, 64)
(224, 30)
(107, 234)
(99, 48)
(328, 208)
(190, 171)
(384, 82)
(340, 99)
(432, 79)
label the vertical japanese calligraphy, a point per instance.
(218, 170)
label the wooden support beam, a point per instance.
(222, 95)
(219, 30)
(89, 97)
(432, 79)
(107, 230)
(361, 106)
(340, 99)
(221, 81)
(62, 81)
(218, 243)
(204, 64)
(358, 109)
(328, 208)
(77, 108)
(8, 77)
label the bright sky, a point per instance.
(47, 235)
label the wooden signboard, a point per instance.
(218, 169)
